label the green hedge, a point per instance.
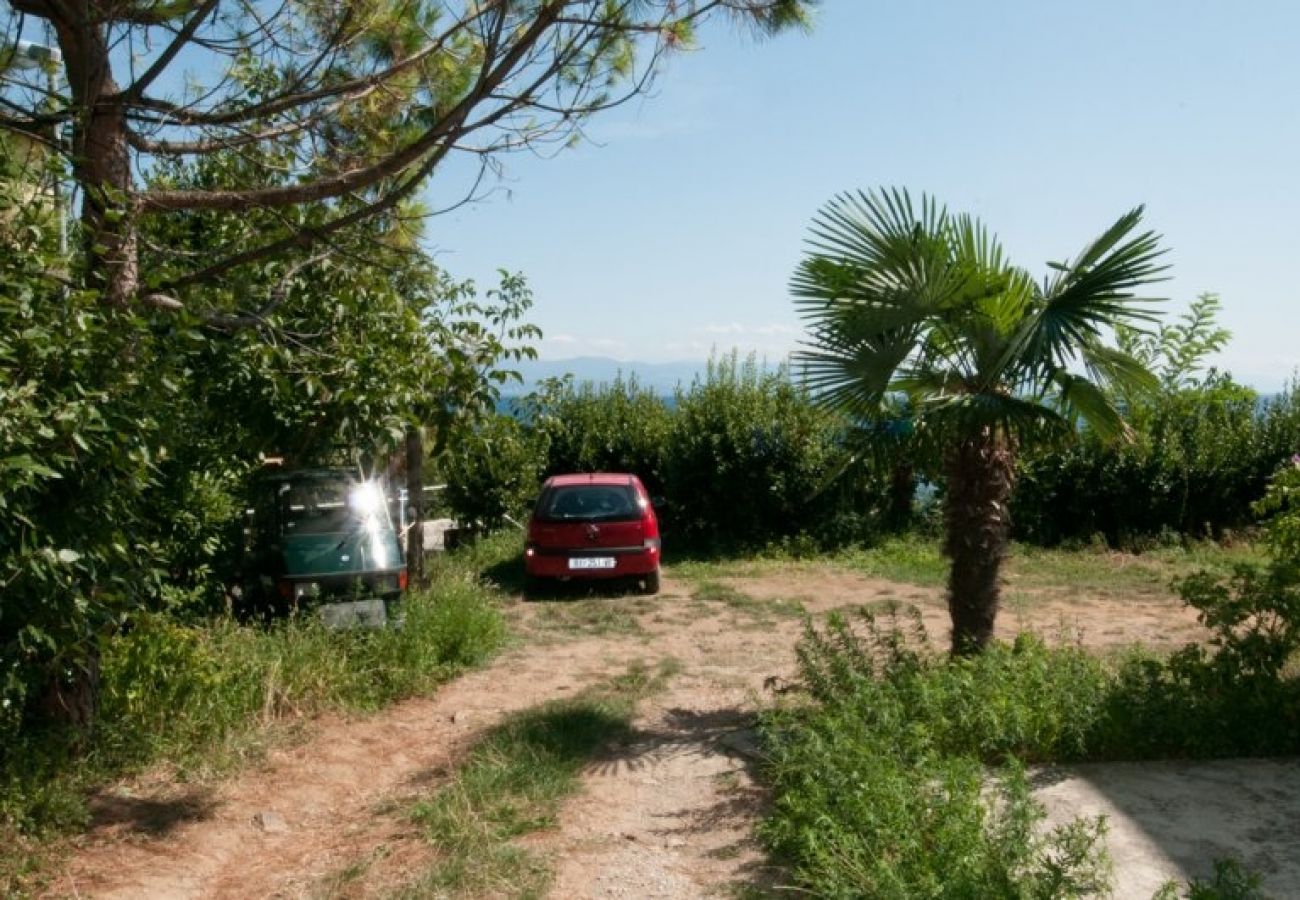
(1200, 458)
(742, 456)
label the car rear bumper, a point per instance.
(552, 563)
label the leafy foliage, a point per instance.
(882, 780)
(1203, 450)
(127, 438)
(879, 794)
(1200, 458)
(495, 473)
(615, 427)
(1176, 351)
(750, 460)
(199, 694)
(82, 435)
(904, 298)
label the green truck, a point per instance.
(326, 540)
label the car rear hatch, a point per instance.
(589, 520)
(593, 538)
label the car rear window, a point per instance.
(589, 503)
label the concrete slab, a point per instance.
(1174, 819)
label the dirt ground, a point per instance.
(671, 813)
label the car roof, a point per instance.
(590, 478)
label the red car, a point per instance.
(598, 525)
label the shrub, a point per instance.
(1234, 697)
(880, 793)
(495, 473)
(742, 456)
(902, 774)
(614, 427)
(1202, 456)
(751, 461)
(193, 694)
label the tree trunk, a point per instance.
(71, 696)
(415, 501)
(902, 491)
(101, 157)
(981, 474)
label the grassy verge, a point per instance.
(204, 697)
(513, 784)
(900, 772)
(919, 560)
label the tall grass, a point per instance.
(200, 697)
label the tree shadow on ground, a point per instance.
(1176, 818)
(508, 575)
(728, 732)
(149, 816)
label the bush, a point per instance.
(879, 792)
(742, 456)
(1201, 458)
(614, 427)
(495, 474)
(751, 461)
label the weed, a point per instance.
(1230, 881)
(881, 786)
(903, 775)
(909, 559)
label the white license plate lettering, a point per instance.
(591, 562)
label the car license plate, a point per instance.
(591, 562)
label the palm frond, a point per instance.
(1121, 372)
(894, 248)
(900, 296)
(965, 414)
(1089, 296)
(1081, 400)
(844, 371)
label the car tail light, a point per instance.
(653, 543)
(401, 580)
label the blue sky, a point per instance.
(677, 228)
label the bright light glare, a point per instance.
(378, 552)
(366, 498)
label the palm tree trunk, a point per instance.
(981, 474)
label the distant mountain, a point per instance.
(662, 378)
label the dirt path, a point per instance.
(669, 815)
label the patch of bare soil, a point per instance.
(668, 814)
(1096, 620)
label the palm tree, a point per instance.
(904, 300)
